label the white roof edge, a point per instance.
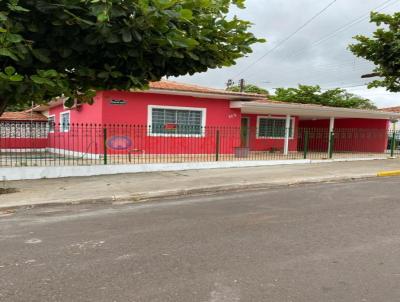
(309, 110)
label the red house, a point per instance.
(175, 118)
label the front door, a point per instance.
(244, 132)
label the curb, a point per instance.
(389, 173)
(155, 195)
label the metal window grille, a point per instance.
(175, 121)
(274, 128)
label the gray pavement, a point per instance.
(308, 243)
(142, 186)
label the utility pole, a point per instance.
(241, 85)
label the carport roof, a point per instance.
(309, 110)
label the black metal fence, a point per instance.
(45, 144)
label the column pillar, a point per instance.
(287, 135)
(331, 129)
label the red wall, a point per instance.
(135, 112)
(85, 133)
(23, 143)
(265, 144)
(359, 135)
(84, 114)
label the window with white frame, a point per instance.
(269, 127)
(64, 121)
(177, 121)
(51, 122)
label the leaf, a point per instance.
(193, 56)
(17, 8)
(3, 17)
(126, 35)
(103, 75)
(102, 17)
(164, 4)
(13, 38)
(186, 14)
(16, 78)
(50, 73)
(6, 53)
(41, 81)
(42, 55)
(112, 39)
(9, 70)
(136, 35)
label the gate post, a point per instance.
(305, 144)
(105, 146)
(331, 143)
(393, 144)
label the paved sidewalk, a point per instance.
(142, 186)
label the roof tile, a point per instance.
(170, 85)
(23, 116)
(392, 109)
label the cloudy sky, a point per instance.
(317, 54)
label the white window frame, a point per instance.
(150, 120)
(259, 117)
(62, 129)
(54, 123)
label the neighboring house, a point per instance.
(176, 118)
(23, 130)
(393, 126)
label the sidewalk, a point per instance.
(142, 186)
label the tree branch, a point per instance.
(371, 75)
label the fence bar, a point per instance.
(217, 145)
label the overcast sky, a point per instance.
(318, 54)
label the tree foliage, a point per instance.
(75, 47)
(249, 89)
(383, 49)
(314, 95)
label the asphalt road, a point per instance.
(325, 242)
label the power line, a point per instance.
(318, 77)
(345, 87)
(344, 27)
(288, 37)
(344, 66)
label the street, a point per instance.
(306, 243)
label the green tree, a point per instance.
(383, 49)
(249, 89)
(50, 48)
(314, 95)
